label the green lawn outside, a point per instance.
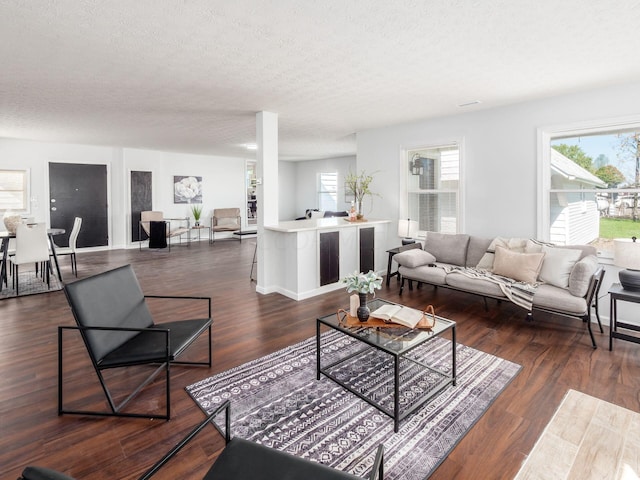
(619, 228)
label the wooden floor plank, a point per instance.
(555, 354)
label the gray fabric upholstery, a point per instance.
(477, 248)
(474, 285)
(433, 275)
(414, 258)
(447, 248)
(455, 248)
(559, 299)
(581, 274)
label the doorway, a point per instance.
(252, 204)
(79, 190)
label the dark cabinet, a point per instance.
(329, 257)
(367, 251)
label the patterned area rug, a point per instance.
(30, 284)
(277, 401)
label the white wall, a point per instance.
(306, 182)
(287, 192)
(500, 158)
(223, 183)
(223, 178)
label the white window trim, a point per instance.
(544, 137)
(320, 191)
(403, 166)
(27, 190)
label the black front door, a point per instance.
(79, 190)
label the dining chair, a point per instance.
(32, 246)
(71, 249)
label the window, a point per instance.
(590, 184)
(14, 185)
(328, 191)
(433, 188)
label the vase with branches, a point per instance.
(358, 186)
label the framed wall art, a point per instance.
(187, 189)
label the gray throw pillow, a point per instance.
(581, 275)
(414, 258)
(447, 248)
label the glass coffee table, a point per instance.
(389, 368)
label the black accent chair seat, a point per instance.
(118, 331)
(242, 460)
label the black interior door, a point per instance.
(79, 190)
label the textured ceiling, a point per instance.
(189, 75)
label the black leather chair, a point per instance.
(242, 460)
(118, 331)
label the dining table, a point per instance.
(4, 249)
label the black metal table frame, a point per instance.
(617, 293)
(395, 414)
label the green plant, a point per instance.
(196, 210)
(358, 185)
(362, 282)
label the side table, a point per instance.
(201, 227)
(616, 292)
(392, 252)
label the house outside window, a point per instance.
(433, 188)
(14, 190)
(590, 184)
(328, 191)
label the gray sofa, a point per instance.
(567, 278)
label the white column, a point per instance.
(267, 188)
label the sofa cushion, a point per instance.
(523, 267)
(414, 258)
(475, 285)
(425, 273)
(535, 246)
(447, 248)
(513, 244)
(557, 265)
(478, 246)
(581, 274)
(559, 299)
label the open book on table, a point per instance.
(409, 317)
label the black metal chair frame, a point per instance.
(164, 363)
(377, 471)
(38, 473)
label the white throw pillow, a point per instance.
(557, 265)
(523, 267)
(513, 244)
(317, 215)
(414, 258)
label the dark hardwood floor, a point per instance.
(555, 354)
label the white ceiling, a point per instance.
(189, 75)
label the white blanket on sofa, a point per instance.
(519, 293)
